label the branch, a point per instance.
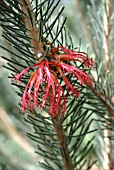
(107, 29)
(30, 23)
(67, 161)
(107, 132)
(106, 105)
(107, 153)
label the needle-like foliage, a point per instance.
(64, 103)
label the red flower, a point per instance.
(44, 88)
(69, 55)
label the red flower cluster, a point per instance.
(44, 88)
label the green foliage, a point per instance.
(85, 119)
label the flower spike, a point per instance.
(44, 88)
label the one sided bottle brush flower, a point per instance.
(44, 87)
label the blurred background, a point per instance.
(17, 150)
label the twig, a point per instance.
(107, 132)
(106, 105)
(107, 66)
(107, 29)
(32, 28)
(67, 161)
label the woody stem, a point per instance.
(107, 132)
(31, 27)
(66, 159)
